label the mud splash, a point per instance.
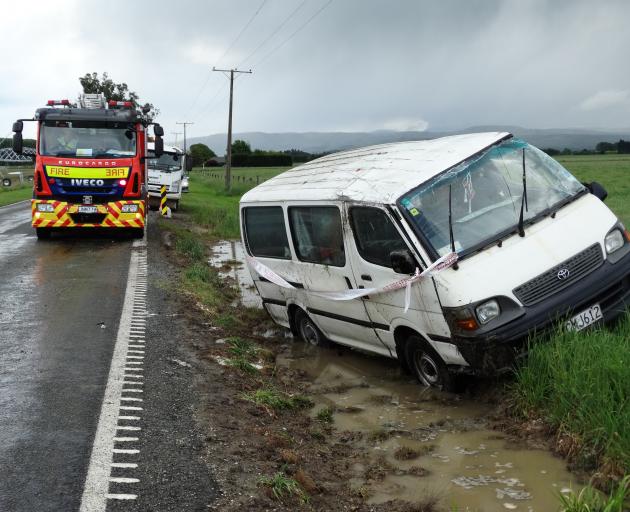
(228, 258)
(421, 442)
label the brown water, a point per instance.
(228, 258)
(453, 454)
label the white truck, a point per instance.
(169, 169)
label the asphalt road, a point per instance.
(60, 307)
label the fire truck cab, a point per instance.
(90, 165)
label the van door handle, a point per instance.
(366, 277)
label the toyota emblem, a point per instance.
(563, 274)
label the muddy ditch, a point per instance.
(370, 438)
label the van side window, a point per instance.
(317, 234)
(375, 235)
(265, 232)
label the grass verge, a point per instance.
(14, 195)
(578, 382)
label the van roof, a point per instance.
(378, 174)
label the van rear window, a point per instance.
(265, 232)
(317, 234)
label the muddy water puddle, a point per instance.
(421, 442)
(228, 258)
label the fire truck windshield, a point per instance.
(87, 139)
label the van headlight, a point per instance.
(614, 241)
(487, 311)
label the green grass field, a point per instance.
(14, 195)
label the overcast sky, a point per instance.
(329, 65)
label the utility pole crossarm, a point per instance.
(228, 162)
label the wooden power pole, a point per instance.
(228, 161)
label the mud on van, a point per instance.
(534, 246)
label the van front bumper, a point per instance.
(497, 350)
(67, 215)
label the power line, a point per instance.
(293, 34)
(242, 31)
(273, 33)
(225, 53)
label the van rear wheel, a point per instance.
(308, 331)
(426, 364)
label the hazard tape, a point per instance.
(446, 261)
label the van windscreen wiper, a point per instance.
(450, 221)
(521, 229)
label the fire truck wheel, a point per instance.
(137, 232)
(43, 233)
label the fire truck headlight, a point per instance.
(45, 207)
(129, 208)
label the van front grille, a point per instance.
(560, 276)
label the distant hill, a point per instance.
(319, 142)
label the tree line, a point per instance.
(244, 156)
(621, 147)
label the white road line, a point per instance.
(130, 408)
(96, 487)
(128, 465)
(124, 480)
(128, 417)
(126, 439)
(126, 427)
(121, 496)
(130, 399)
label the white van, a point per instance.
(535, 247)
(167, 170)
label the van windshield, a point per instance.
(486, 194)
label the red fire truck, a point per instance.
(90, 165)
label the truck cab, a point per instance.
(167, 170)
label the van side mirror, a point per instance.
(158, 145)
(17, 143)
(158, 130)
(597, 190)
(402, 262)
(188, 163)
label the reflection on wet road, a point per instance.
(422, 442)
(60, 304)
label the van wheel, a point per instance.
(426, 365)
(43, 233)
(308, 331)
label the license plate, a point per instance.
(585, 318)
(88, 209)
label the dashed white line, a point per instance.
(123, 480)
(121, 496)
(128, 465)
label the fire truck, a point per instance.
(90, 165)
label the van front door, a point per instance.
(323, 265)
(374, 237)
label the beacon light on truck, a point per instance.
(52, 103)
(125, 104)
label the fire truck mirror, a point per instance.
(18, 126)
(158, 130)
(17, 143)
(159, 146)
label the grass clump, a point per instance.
(242, 352)
(578, 381)
(277, 400)
(282, 486)
(190, 246)
(325, 415)
(591, 500)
